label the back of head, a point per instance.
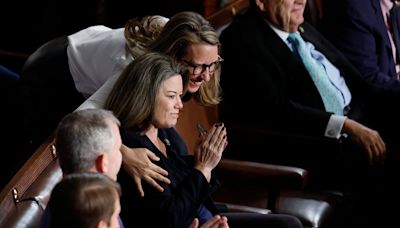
(132, 98)
(82, 136)
(140, 32)
(82, 200)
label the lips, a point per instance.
(176, 115)
(196, 81)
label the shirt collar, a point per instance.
(282, 34)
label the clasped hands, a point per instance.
(138, 162)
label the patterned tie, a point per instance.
(330, 96)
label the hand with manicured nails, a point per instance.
(208, 151)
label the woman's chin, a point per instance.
(193, 87)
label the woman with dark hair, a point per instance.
(191, 40)
(147, 100)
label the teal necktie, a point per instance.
(328, 92)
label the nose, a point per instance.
(179, 103)
(205, 75)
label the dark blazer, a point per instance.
(178, 205)
(395, 21)
(358, 29)
(277, 90)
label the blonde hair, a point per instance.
(172, 37)
(140, 32)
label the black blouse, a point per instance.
(186, 198)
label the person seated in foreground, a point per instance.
(309, 90)
(84, 200)
(88, 141)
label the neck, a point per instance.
(152, 134)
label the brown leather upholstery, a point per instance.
(23, 200)
(314, 209)
(280, 189)
(28, 215)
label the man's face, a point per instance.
(285, 14)
(114, 156)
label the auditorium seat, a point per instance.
(24, 198)
(278, 188)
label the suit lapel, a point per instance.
(381, 25)
(281, 52)
(289, 64)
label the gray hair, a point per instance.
(82, 136)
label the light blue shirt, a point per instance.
(335, 123)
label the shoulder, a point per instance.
(132, 138)
(90, 31)
(242, 21)
(96, 35)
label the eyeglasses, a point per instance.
(200, 68)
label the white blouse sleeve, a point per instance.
(98, 99)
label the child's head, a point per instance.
(83, 200)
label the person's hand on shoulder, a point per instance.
(138, 163)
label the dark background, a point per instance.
(27, 24)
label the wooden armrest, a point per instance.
(267, 174)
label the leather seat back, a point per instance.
(24, 199)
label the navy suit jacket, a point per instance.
(395, 20)
(278, 91)
(358, 29)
